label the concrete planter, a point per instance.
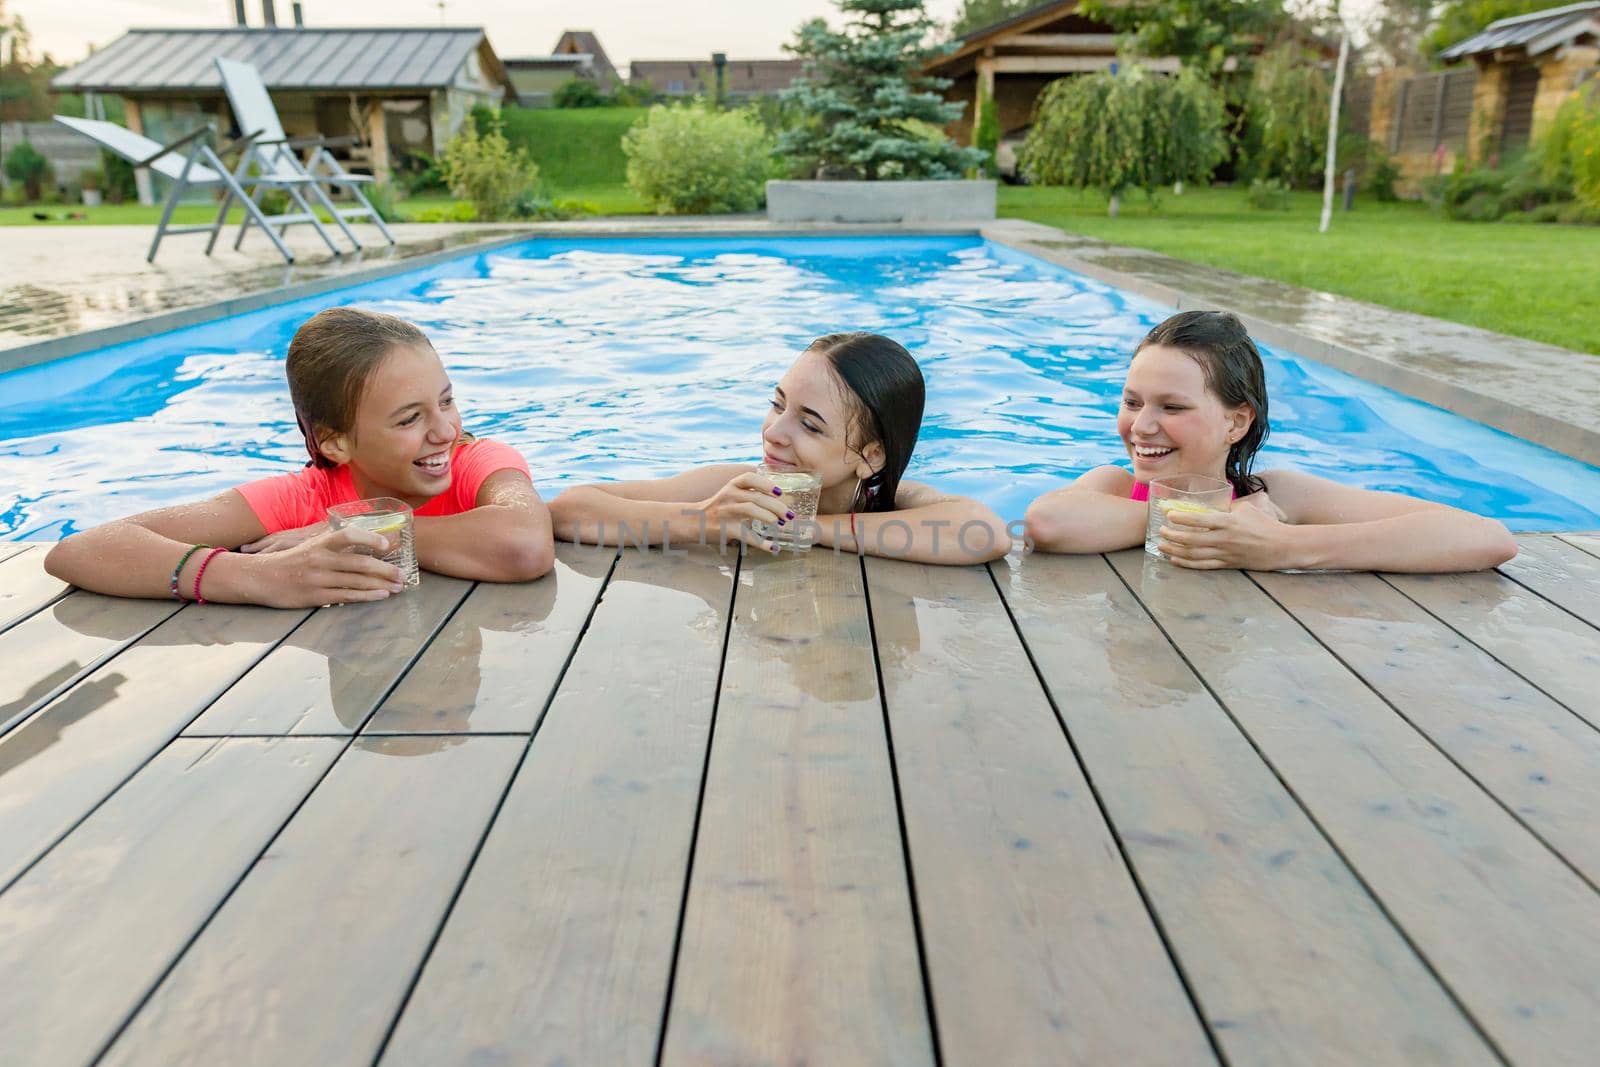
(919, 201)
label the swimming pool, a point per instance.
(636, 357)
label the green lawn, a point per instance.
(576, 148)
(1530, 280)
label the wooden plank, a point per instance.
(92, 927)
(25, 588)
(1526, 749)
(1512, 930)
(1544, 644)
(1562, 573)
(494, 665)
(331, 672)
(1038, 946)
(1589, 542)
(13, 548)
(798, 942)
(562, 939)
(48, 652)
(309, 958)
(1288, 955)
(70, 754)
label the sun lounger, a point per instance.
(191, 163)
(273, 151)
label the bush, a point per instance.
(1569, 151)
(573, 148)
(382, 196)
(578, 92)
(485, 119)
(1268, 194)
(640, 95)
(693, 161)
(120, 182)
(1484, 194)
(484, 170)
(419, 173)
(25, 165)
(460, 211)
(1382, 176)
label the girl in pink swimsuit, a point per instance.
(1195, 402)
(379, 419)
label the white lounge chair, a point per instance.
(191, 163)
(273, 151)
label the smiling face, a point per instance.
(405, 428)
(810, 426)
(1170, 422)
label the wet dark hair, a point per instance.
(886, 385)
(330, 359)
(1218, 341)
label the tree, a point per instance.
(1460, 19)
(976, 14)
(1129, 130)
(862, 92)
(1203, 33)
(1395, 30)
(986, 134)
(1286, 117)
(24, 81)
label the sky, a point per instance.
(628, 29)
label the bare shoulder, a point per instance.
(1111, 480)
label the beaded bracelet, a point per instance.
(201, 573)
(176, 571)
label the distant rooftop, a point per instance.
(145, 60)
(1534, 33)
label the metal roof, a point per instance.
(1536, 32)
(288, 58)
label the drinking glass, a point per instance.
(1182, 492)
(800, 492)
(390, 518)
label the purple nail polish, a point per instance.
(788, 514)
(776, 491)
(780, 522)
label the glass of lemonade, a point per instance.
(800, 492)
(1182, 492)
(393, 520)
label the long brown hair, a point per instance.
(888, 393)
(1222, 346)
(330, 360)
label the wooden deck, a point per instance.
(690, 809)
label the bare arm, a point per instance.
(1336, 527)
(504, 538)
(927, 526)
(704, 505)
(1093, 514)
(134, 557)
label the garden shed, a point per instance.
(398, 90)
(1527, 66)
(1012, 61)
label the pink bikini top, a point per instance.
(1141, 491)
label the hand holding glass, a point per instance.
(390, 519)
(1182, 492)
(800, 492)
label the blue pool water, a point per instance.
(632, 358)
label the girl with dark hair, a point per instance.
(849, 410)
(379, 419)
(1195, 402)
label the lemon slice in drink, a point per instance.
(1182, 505)
(382, 524)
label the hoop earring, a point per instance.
(855, 496)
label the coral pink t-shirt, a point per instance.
(290, 501)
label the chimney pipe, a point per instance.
(238, 13)
(269, 14)
(299, 15)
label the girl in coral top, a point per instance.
(379, 419)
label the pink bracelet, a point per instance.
(201, 573)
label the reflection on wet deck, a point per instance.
(692, 808)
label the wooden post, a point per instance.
(141, 175)
(1438, 109)
(378, 139)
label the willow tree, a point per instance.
(865, 104)
(1128, 130)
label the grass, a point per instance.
(1525, 279)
